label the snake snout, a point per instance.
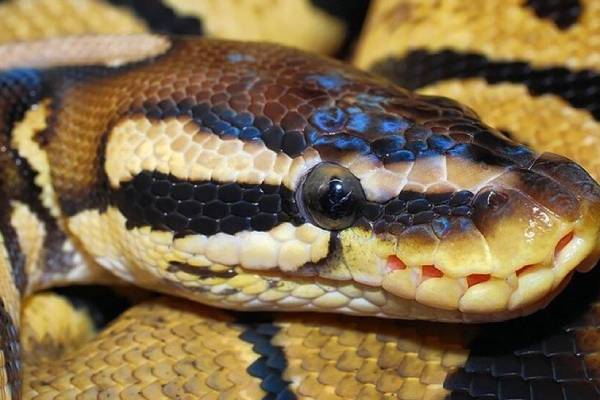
(575, 181)
(539, 225)
(514, 247)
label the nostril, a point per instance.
(490, 199)
(562, 243)
(430, 271)
(395, 263)
(474, 279)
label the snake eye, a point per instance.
(332, 196)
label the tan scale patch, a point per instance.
(547, 123)
(158, 350)
(179, 147)
(372, 359)
(464, 174)
(396, 27)
(364, 254)
(26, 20)
(110, 50)
(285, 246)
(31, 233)
(432, 175)
(271, 21)
(30, 230)
(379, 182)
(52, 327)
(23, 140)
(428, 171)
(5, 390)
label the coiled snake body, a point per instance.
(257, 177)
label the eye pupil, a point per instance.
(335, 199)
(331, 194)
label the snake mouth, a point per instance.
(490, 297)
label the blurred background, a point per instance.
(324, 26)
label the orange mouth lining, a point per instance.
(474, 279)
(563, 242)
(430, 271)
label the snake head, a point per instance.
(259, 177)
(488, 241)
(470, 226)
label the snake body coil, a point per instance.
(257, 177)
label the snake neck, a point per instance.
(28, 230)
(36, 251)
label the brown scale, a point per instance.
(280, 88)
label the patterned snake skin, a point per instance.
(256, 177)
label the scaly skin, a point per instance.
(175, 349)
(187, 175)
(529, 68)
(321, 31)
(189, 168)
